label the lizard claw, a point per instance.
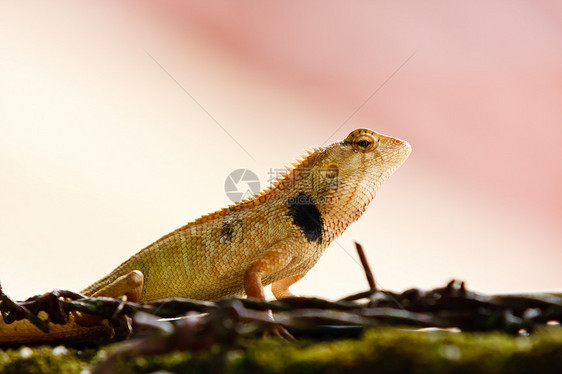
(278, 331)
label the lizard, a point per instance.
(274, 237)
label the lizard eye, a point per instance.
(362, 140)
(363, 143)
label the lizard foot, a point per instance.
(278, 331)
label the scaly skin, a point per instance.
(275, 237)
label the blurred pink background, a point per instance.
(102, 151)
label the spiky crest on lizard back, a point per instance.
(285, 180)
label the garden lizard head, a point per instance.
(345, 176)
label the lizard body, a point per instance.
(275, 237)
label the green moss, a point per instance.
(40, 360)
(385, 350)
(393, 350)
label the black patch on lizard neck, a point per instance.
(306, 216)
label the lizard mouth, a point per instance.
(396, 154)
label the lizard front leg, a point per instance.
(281, 288)
(274, 259)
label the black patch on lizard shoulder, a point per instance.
(306, 216)
(230, 229)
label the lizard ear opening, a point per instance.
(325, 180)
(332, 171)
